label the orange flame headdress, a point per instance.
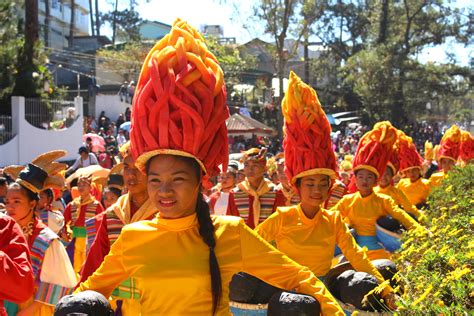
(467, 147)
(450, 144)
(407, 153)
(375, 148)
(180, 103)
(307, 143)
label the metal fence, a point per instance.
(5, 129)
(50, 114)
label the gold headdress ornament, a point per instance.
(40, 174)
(429, 152)
(125, 150)
(255, 154)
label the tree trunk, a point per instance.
(383, 26)
(72, 24)
(91, 15)
(46, 22)
(97, 18)
(114, 23)
(31, 29)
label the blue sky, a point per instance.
(234, 14)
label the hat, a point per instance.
(429, 152)
(124, 150)
(40, 174)
(255, 154)
(436, 152)
(307, 133)
(375, 148)
(346, 164)
(407, 154)
(466, 152)
(273, 162)
(450, 144)
(115, 179)
(179, 107)
(234, 165)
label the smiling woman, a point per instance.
(306, 232)
(184, 259)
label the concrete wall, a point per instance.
(30, 141)
(111, 104)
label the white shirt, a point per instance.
(221, 204)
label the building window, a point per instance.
(55, 4)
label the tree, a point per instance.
(125, 24)
(405, 84)
(22, 70)
(283, 18)
(231, 61)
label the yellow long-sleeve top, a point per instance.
(363, 212)
(311, 241)
(400, 199)
(437, 178)
(170, 263)
(417, 192)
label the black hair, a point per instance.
(115, 191)
(50, 194)
(206, 231)
(3, 181)
(32, 196)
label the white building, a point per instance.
(60, 21)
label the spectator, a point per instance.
(85, 159)
(89, 144)
(70, 118)
(128, 113)
(131, 90)
(93, 124)
(123, 93)
(121, 139)
(3, 190)
(120, 120)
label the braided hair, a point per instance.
(206, 231)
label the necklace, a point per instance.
(28, 229)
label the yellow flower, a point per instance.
(458, 273)
(455, 232)
(440, 303)
(452, 261)
(424, 295)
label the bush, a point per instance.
(436, 270)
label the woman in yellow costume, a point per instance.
(466, 152)
(306, 232)
(53, 272)
(184, 259)
(449, 148)
(385, 186)
(413, 185)
(362, 208)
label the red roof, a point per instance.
(240, 124)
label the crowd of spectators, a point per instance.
(113, 133)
